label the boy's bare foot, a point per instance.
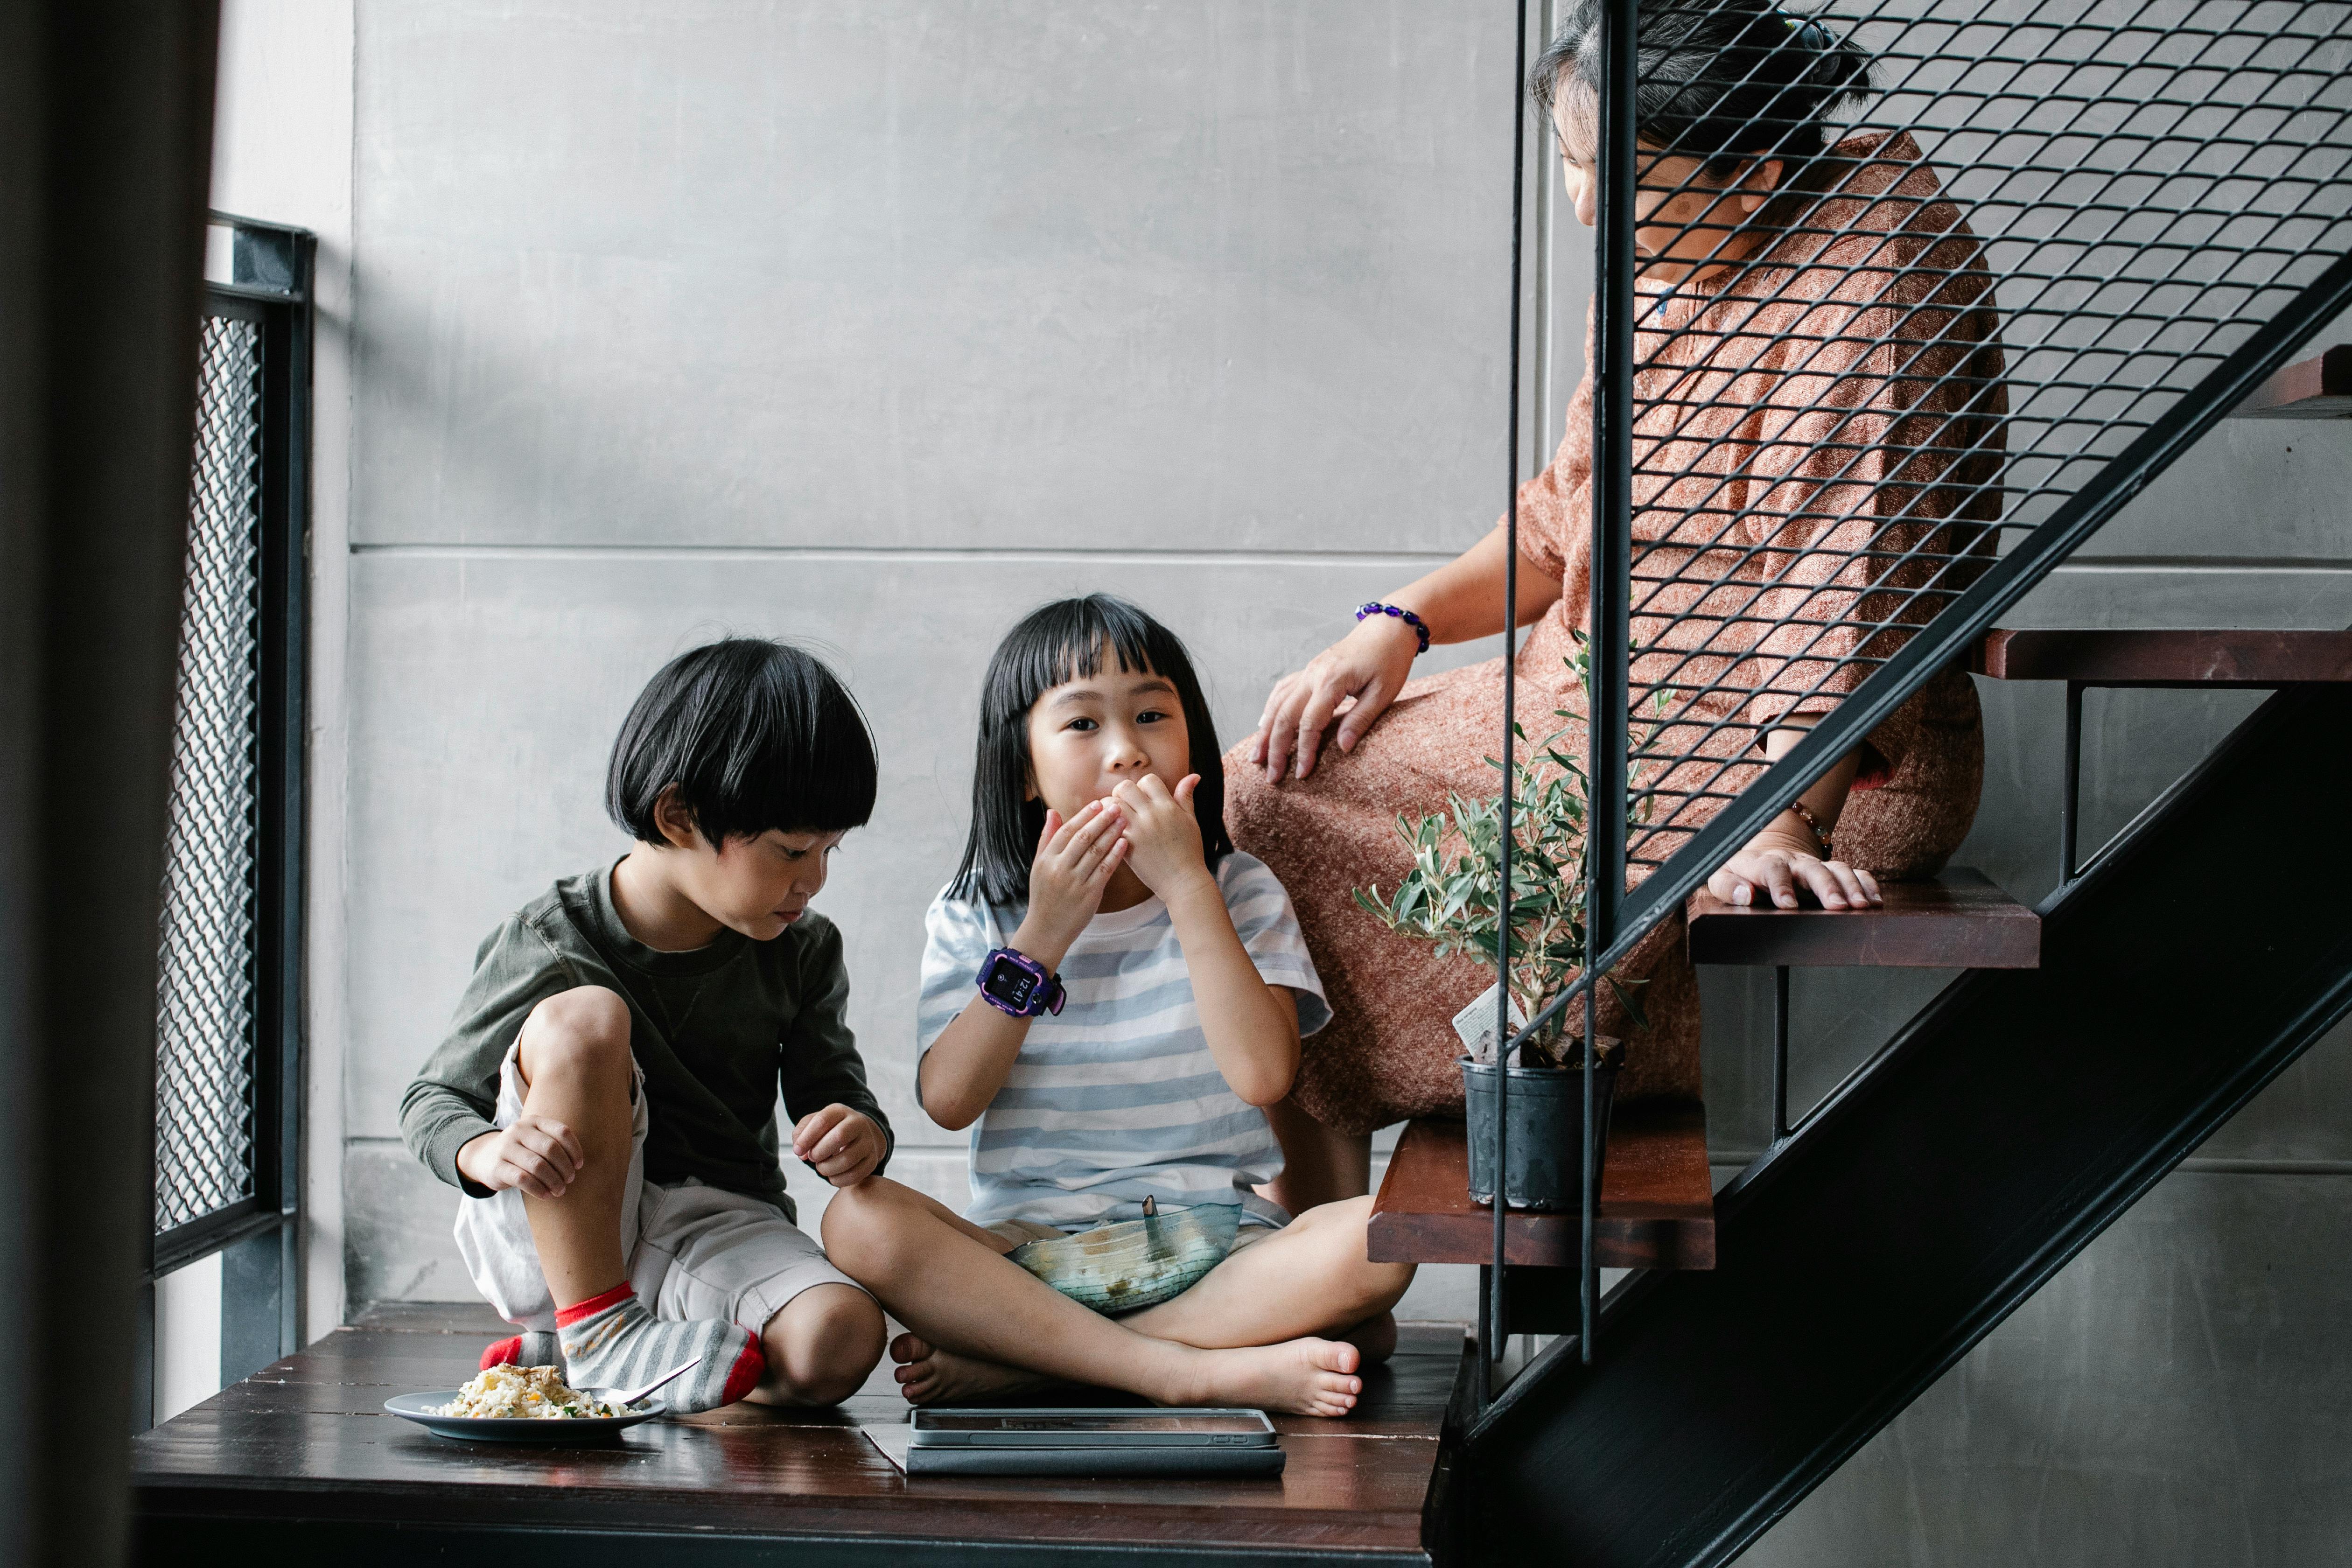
(929, 1375)
(1301, 1377)
(1376, 1337)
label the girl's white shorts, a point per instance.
(692, 1251)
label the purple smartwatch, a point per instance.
(1016, 983)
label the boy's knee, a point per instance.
(586, 1029)
(823, 1342)
(856, 1223)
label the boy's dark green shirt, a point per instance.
(718, 1032)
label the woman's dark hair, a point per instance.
(1069, 640)
(755, 734)
(1722, 80)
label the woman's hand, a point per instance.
(1777, 862)
(842, 1145)
(1369, 663)
(1072, 866)
(1161, 834)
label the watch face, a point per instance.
(1010, 983)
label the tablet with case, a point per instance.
(1094, 1442)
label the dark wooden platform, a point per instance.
(300, 1464)
(2212, 655)
(1656, 1207)
(2316, 388)
(1958, 920)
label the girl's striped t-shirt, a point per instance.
(1118, 1098)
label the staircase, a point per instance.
(1775, 1329)
(2008, 1124)
(2156, 229)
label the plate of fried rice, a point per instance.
(519, 1405)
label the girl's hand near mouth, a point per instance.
(1162, 836)
(1075, 860)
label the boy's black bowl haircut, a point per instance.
(755, 734)
(1063, 641)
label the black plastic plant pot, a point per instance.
(1547, 1128)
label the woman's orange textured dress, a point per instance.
(1817, 460)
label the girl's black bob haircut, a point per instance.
(1720, 80)
(1064, 641)
(755, 734)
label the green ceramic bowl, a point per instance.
(1136, 1263)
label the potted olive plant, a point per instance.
(1451, 898)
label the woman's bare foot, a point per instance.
(929, 1375)
(1301, 1377)
(1376, 1337)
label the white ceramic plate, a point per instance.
(426, 1408)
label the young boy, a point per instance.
(605, 1096)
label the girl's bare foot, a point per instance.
(929, 1375)
(1301, 1377)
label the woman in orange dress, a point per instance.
(1817, 416)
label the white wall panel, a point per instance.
(904, 273)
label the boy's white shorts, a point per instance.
(692, 1251)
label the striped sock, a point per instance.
(532, 1347)
(611, 1343)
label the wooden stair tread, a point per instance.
(300, 1464)
(2316, 388)
(1656, 1208)
(2209, 655)
(1957, 919)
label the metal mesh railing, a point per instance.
(206, 989)
(1894, 306)
(2050, 222)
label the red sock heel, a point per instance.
(745, 1375)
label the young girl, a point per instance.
(1111, 993)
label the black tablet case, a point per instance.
(1171, 1461)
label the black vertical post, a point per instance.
(254, 1286)
(143, 1360)
(292, 721)
(283, 259)
(2070, 803)
(1779, 1052)
(1613, 506)
(1495, 1327)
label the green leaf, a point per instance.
(1625, 998)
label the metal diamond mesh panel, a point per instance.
(2041, 226)
(205, 997)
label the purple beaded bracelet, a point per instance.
(1419, 628)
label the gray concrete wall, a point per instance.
(874, 324)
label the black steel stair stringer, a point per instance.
(2017, 1117)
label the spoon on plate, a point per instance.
(625, 1400)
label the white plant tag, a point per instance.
(1475, 1025)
